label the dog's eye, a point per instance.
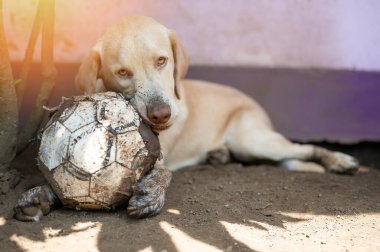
(161, 61)
(124, 73)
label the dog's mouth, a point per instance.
(158, 127)
(141, 110)
(155, 127)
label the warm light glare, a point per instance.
(61, 240)
(2, 221)
(184, 242)
(174, 211)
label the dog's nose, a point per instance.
(159, 114)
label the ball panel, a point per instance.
(84, 114)
(117, 114)
(92, 148)
(112, 184)
(128, 144)
(56, 137)
(68, 108)
(71, 180)
(65, 109)
(141, 163)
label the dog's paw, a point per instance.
(149, 194)
(218, 157)
(147, 201)
(35, 203)
(338, 162)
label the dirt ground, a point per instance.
(226, 208)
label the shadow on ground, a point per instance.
(200, 202)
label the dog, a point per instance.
(197, 121)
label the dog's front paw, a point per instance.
(338, 162)
(149, 194)
(35, 203)
(147, 201)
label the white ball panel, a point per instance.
(84, 114)
(67, 112)
(112, 183)
(118, 115)
(128, 145)
(54, 144)
(72, 181)
(92, 148)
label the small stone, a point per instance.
(319, 195)
(5, 176)
(267, 214)
(4, 187)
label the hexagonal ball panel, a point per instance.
(128, 144)
(118, 115)
(72, 181)
(112, 184)
(92, 148)
(54, 142)
(84, 114)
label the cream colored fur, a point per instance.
(205, 116)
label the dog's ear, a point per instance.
(181, 62)
(87, 77)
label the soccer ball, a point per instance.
(94, 149)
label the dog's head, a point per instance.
(142, 59)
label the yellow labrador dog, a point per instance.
(197, 121)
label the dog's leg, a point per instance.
(250, 139)
(35, 203)
(149, 195)
(302, 166)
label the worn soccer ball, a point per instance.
(94, 149)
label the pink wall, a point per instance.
(339, 34)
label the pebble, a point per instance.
(5, 176)
(4, 187)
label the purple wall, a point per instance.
(303, 104)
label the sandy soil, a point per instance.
(227, 208)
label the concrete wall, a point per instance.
(338, 34)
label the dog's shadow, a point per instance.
(204, 204)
